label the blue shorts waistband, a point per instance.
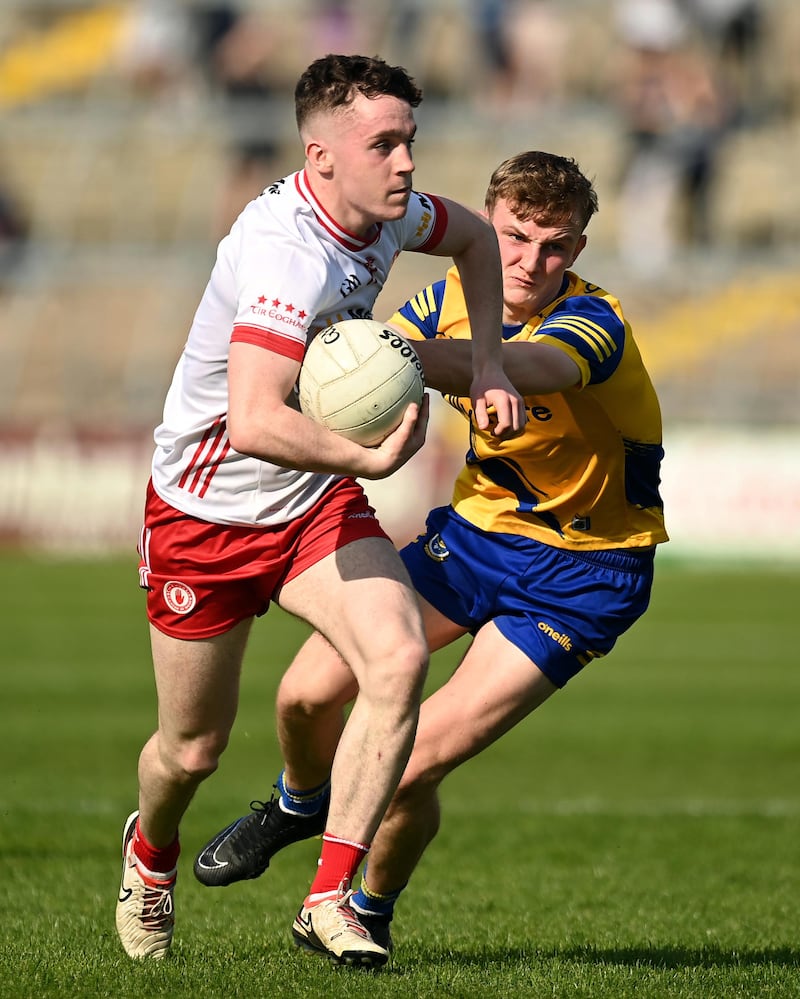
(624, 559)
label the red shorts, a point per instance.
(202, 578)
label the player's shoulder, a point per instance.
(281, 199)
(580, 288)
(424, 224)
(580, 297)
(588, 323)
(277, 224)
(261, 214)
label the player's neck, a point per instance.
(334, 209)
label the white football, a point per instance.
(357, 379)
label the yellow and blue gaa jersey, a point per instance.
(585, 473)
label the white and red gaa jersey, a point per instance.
(285, 271)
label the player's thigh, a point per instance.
(198, 682)
(494, 687)
(360, 598)
(440, 631)
(318, 677)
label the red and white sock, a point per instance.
(338, 863)
(155, 863)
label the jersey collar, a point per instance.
(347, 239)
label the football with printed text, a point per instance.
(357, 379)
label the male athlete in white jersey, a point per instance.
(250, 502)
(544, 555)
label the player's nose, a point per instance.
(531, 258)
(405, 161)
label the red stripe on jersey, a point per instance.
(207, 465)
(276, 342)
(197, 458)
(210, 473)
(439, 226)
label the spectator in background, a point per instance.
(246, 55)
(156, 50)
(442, 41)
(342, 26)
(502, 55)
(234, 49)
(524, 46)
(734, 31)
(14, 232)
(174, 53)
(675, 114)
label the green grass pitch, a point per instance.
(637, 836)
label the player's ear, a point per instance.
(578, 248)
(318, 156)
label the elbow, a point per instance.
(240, 436)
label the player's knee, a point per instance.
(414, 668)
(308, 698)
(432, 758)
(294, 704)
(290, 703)
(197, 758)
(421, 777)
(297, 695)
(398, 675)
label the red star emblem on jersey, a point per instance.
(262, 299)
(289, 307)
(276, 302)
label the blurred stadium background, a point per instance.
(132, 132)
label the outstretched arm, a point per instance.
(472, 243)
(533, 368)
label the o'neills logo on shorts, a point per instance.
(180, 598)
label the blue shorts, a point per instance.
(561, 608)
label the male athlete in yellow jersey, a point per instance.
(545, 554)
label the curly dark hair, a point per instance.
(544, 186)
(334, 80)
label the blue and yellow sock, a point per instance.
(374, 903)
(308, 802)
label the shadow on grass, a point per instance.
(656, 957)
